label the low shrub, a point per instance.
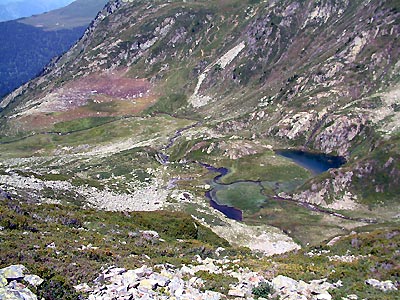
(264, 289)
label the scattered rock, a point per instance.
(150, 235)
(33, 280)
(14, 272)
(145, 283)
(236, 293)
(381, 285)
(289, 288)
(11, 287)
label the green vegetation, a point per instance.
(386, 167)
(137, 129)
(168, 104)
(244, 196)
(375, 257)
(82, 124)
(302, 224)
(264, 289)
(114, 238)
(216, 282)
(86, 240)
(28, 51)
(263, 167)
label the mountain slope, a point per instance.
(25, 8)
(77, 14)
(27, 45)
(157, 97)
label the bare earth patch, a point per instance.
(265, 239)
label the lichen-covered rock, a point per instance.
(13, 272)
(297, 125)
(12, 294)
(11, 286)
(339, 133)
(33, 280)
(289, 288)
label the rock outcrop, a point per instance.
(169, 282)
(13, 283)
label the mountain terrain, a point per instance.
(174, 117)
(15, 9)
(28, 44)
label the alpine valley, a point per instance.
(28, 44)
(219, 149)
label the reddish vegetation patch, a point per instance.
(114, 109)
(111, 84)
(106, 94)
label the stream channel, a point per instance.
(316, 163)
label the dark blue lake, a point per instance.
(230, 212)
(317, 163)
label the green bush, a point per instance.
(264, 289)
(57, 288)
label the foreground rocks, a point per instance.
(13, 281)
(163, 282)
(146, 283)
(288, 288)
(168, 282)
(382, 285)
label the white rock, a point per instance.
(236, 293)
(129, 277)
(33, 280)
(51, 245)
(208, 295)
(323, 296)
(148, 284)
(13, 272)
(281, 282)
(83, 287)
(382, 285)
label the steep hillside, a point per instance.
(181, 106)
(88, 254)
(27, 45)
(79, 13)
(15, 9)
